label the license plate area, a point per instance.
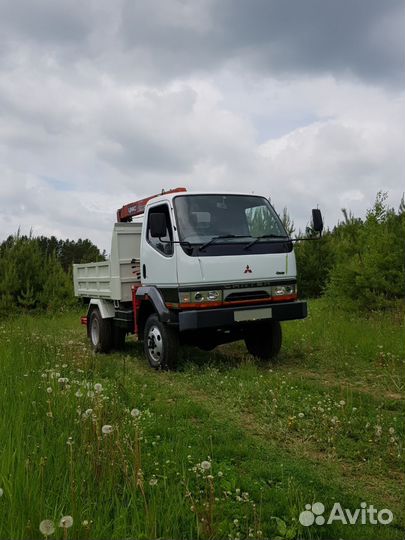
(252, 314)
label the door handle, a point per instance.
(144, 271)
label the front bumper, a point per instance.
(225, 317)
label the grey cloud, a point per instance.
(46, 21)
(158, 40)
(355, 38)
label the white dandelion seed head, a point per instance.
(66, 522)
(98, 388)
(153, 481)
(90, 394)
(342, 402)
(78, 393)
(63, 380)
(135, 413)
(49, 390)
(301, 415)
(206, 465)
(107, 429)
(85, 523)
(47, 527)
(391, 431)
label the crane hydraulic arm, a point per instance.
(128, 211)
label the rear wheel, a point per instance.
(100, 331)
(161, 343)
(263, 340)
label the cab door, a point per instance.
(158, 261)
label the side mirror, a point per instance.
(317, 220)
(157, 224)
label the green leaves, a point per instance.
(360, 263)
(35, 272)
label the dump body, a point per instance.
(112, 279)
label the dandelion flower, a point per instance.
(63, 380)
(301, 415)
(49, 390)
(47, 527)
(85, 523)
(66, 522)
(153, 481)
(342, 402)
(391, 431)
(98, 388)
(106, 429)
(135, 413)
(206, 465)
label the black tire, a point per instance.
(263, 340)
(161, 343)
(118, 337)
(100, 332)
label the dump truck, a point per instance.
(193, 268)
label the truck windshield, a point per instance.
(228, 219)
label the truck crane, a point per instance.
(193, 268)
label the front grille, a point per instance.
(246, 295)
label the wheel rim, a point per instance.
(155, 344)
(95, 331)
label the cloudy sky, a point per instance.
(105, 102)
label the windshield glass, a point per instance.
(237, 217)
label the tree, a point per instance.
(287, 222)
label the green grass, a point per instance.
(324, 423)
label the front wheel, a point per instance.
(161, 343)
(263, 340)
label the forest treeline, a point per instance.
(359, 264)
(36, 272)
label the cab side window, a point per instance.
(163, 244)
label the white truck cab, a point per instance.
(197, 268)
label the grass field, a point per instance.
(223, 448)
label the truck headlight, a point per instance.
(283, 290)
(212, 296)
(200, 297)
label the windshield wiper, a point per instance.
(220, 238)
(265, 236)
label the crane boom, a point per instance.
(128, 211)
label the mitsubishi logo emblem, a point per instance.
(248, 270)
